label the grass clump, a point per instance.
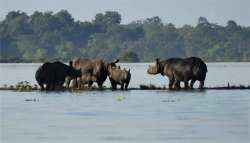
(23, 86)
(120, 98)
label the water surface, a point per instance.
(217, 116)
(219, 74)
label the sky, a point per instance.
(178, 12)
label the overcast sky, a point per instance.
(178, 12)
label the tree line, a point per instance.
(46, 36)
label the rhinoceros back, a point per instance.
(199, 67)
(93, 67)
(42, 72)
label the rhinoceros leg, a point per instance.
(52, 86)
(78, 83)
(48, 86)
(186, 83)
(192, 83)
(201, 86)
(67, 82)
(126, 86)
(171, 82)
(41, 84)
(122, 86)
(99, 83)
(177, 84)
(90, 84)
(113, 84)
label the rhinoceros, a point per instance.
(93, 70)
(119, 76)
(53, 74)
(178, 69)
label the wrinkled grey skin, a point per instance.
(118, 76)
(178, 69)
(53, 75)
(93, 70)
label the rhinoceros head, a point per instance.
(74, 72)
(111, 65)
(154, 68)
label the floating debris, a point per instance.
(23, 86)
(34, 100)
(169, 100)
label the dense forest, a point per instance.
(48, 36)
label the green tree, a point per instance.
(65, 51)
(45, 36)
(129, 56)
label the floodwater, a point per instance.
(211, 116)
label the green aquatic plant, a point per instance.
(120, 98)
(23, 86)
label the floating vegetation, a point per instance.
(22, 86)
(229, 87)
(120, 98)
(25, 86)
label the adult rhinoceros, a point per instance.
(178, 69)
(53, 74)
(93, 70)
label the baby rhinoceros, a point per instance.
(85, 79)
(119, 76)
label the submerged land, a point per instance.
(25, 86)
